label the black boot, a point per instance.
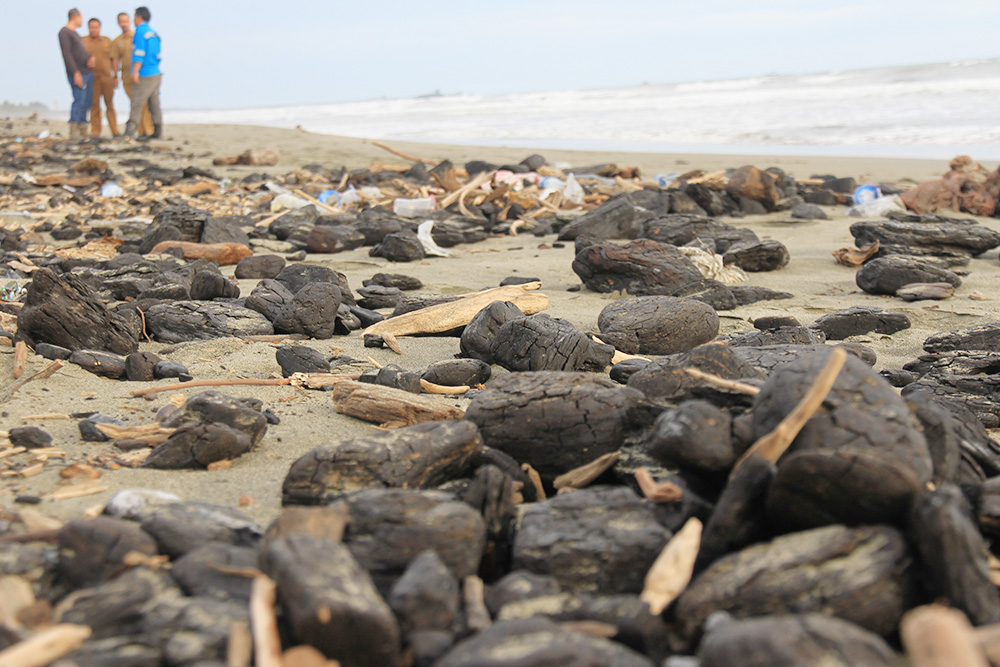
(157, 132)
(129, 130)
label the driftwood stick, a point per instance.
(536, 480)
(315, 202)
(40, 375)
(391, 342)
(20, 356)
(476, 614)
(476, 182)
(405, 156)
(938, 636)
(671, 571)
(212, 383)
(447, 316)
(239, 648)
(45, 647)
(732, 385)
(386, 405)
(774, 444)
(431, 388)
(657, 492)
(266, 641)
(587, 473)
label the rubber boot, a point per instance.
(129, 130)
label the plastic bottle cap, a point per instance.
(866, 193)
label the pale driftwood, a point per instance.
(239, 648)
(320, 380)
(401, 154)
(938, 636)
(391, 342)
(431, 388)
(315, 202)
(587, 473)
(476, 182)
(447, 316)
(20, 356)
(592, 628)
(855, 257)
(223, 253)
(212, 383)
(386, 405)
(477, 617)
(723, 383)
(536, 480)
(266, 640)
(657, 492)
(45, 647)
(774, 444)
(152, 434)
(16, 595)
(671, 571)
(87, 487)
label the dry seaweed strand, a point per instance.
(774, 444)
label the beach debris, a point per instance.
(541, 343)
(694, 435)
(259, 266)
(967, 187)
(179, 321)
(255, 157)
(389, 406)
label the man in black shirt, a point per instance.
(81, 79)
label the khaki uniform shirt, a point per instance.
(121, 49)
(100, 48)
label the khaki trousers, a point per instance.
(146, 126)
(103, 87)
(147, 90)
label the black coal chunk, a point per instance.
(182, 527)
(242, 414)
(662, 324)
(399, 247)
(980, 337)
(641, 267)
(203, 320)
(269, 298)
(141, 366)
(863, 575)
(208, 285)
(92, 551)
(695, 435)
(330, 601)
(479, 333)
(758, 256)
(787, 640)
(65, 311)
(601, 539)
(541, 343)
(196, 445)
(105, 364)
(259, 266)
(312, 311)
(886, 275)
(216, 570)
(29, 437)
(858, 320)
(458, 372)
(300, 359)
(397, 280)
(419, 456)
(555, 421)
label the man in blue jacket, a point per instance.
(145, 75)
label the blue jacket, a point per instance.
(146, 50)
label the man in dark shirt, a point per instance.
(81, 80)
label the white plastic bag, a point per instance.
(573, 191)
(879, 207)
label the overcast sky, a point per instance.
(266, 53)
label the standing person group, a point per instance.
(93, 64)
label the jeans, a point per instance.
(82, 99)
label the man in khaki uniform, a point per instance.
(121, 57)
(105, 78)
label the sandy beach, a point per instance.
(308, 418)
